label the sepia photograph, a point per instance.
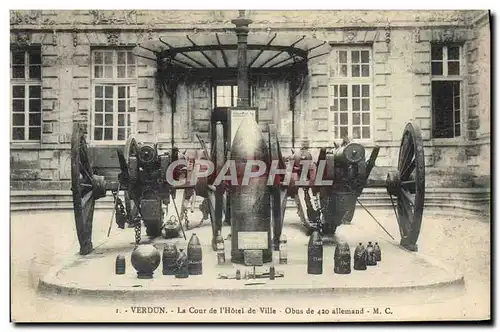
(245, 166)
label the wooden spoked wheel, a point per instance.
(277, 193)
(82, 186)
(408, 185)
(130, 149)
(218, 157)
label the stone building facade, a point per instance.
(385, 69)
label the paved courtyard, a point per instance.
(43, 240)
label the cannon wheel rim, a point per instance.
(82, 190)
(130, 149)
(277, 206)
(130, 146)
(411, 189)
(274, 146)
(218, 157)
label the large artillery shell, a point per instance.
(315, 254)
(120, 264)
(194, 254)
(250, 201)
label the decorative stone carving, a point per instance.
(23, 38)
(350, 36)
(18, 17)
(50, 25)
(74, 34)
(113, 16)
(217, 15)
(448, 36)
(54, 38)
(113, 37)
(388, 33)
(416, 33)
(313, 32)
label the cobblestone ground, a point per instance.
(42, 239)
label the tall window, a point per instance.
(114, 85)
(26, 86)
(446, 90)
(350, 93)
(225, 95)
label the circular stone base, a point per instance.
(400, 272)
(141, 275)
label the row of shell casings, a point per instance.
(178, 263)
(342, 259)
(175, 261)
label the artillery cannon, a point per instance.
(143, 181)
(348, 172)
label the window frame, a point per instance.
(461, 78)
(350, 80)
(26, 82)
(115, 82)
(233, 84)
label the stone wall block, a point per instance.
(322, 125)
(423, 101)
(380, 124)
(50, 138)
(145, 104)
(145, 94)
(201, 126)
(380, 102)
(65, 138)
(319, 92)
(380, 80)
(48, 174)
(426, 134)
(473, 124)
(50, 116)
(82, 94)
(425, 123)
(320, 114)
(421, 68)
(47, 128)
(48, 105)
(24, 174)
(47, 164)
(382, 91)
(265, 115)
(382, 68)
(50, 61)
(380, 47)
(146, 116)
(81, 72)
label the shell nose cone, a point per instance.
(248, 142)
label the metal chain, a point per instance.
(121, 215)
(137, 229)
(312, 213)
(317, 206)
(186, 218)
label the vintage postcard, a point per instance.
(250, 165)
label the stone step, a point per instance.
(473, 200)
